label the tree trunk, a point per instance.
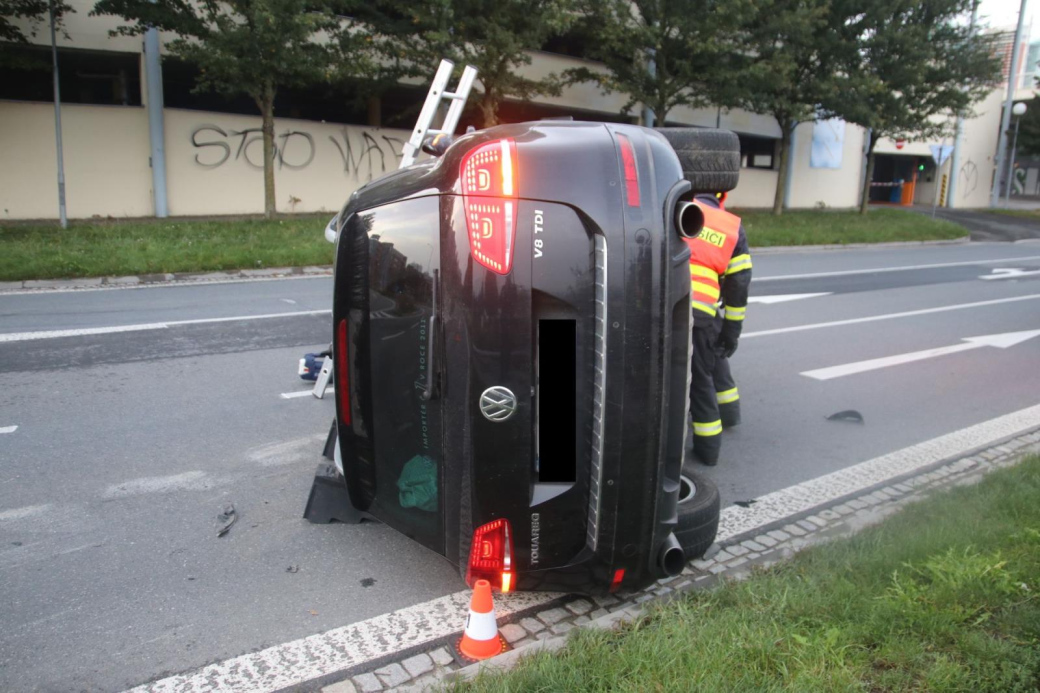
(266, 103)
(864, 199)
(489, 109)
(786, 128)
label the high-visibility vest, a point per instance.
(710, 253)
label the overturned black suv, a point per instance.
(512, 349)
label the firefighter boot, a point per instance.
(726, 395)
(706, 446)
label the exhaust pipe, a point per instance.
(689, 219)
(671, 559)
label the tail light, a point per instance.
(491, 555)
(342, 373)
(489, 195)
(628, 161)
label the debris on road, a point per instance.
(745, 504)
(226, 519)
(293, 569)
(850, 415)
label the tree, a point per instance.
(1029, 129)
(255, 47)
(693, 47)
(906, 68)
(492, 36)
(21, 20)
(785, 70)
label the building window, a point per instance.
(757, 152)
(88, 77)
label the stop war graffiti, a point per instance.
(363, 153)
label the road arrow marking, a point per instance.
(8, 429)
(1009, 273)
(1001, 341)
(784, 298)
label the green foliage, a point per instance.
(694, 47)
(493, 36)
(1029, 129)
(945, 596)
(21, 20)
(904, 64)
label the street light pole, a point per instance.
(57, 124)
(1018, 111)
(1005, 118)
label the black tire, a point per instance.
(698, 514)
(710, 158)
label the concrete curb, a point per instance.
(779, 249)
(142, 281)
(548, 630)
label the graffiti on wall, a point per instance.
(364, 154)
(967, 178)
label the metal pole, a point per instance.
(1005, 119)
(57, 124)
(651, 67)
(958, 138)
(156, 130)
(790, 166)
(1011, 163)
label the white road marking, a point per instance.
(288, 452)
(889, 316)
(906, 268)
(20, 513)
(1009, 273)
(1001, 341)
(8, 429)
(176, 284)
(297, 662)
(157, 484)
(289, 301)
(784, 298)
(54, 334)
(303, 393)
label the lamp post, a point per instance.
(1018, 111)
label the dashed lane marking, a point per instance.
(55, 334)
(297, 662)
(905, 268)
(890, 316)
(8, 429)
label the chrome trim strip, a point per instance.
(599, 389)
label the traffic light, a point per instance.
(920, 167)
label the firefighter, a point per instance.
(720, 274)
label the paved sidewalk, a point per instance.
(988, 226)
(547, 628)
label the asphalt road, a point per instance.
(129, 443)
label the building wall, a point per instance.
(214, 162)
(106, 154)
(829, 187)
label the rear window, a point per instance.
(404, 261)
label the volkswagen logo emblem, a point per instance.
(497, 403)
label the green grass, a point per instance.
(36, 251)
(113, 248)
(821, 227)
(944, 596)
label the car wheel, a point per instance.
(710, 159)
(698, 514)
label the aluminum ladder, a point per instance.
(433, 101)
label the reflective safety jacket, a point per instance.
(720, 264)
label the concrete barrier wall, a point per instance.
(214, 162)
(106, 161)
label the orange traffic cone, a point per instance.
(481, 638)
